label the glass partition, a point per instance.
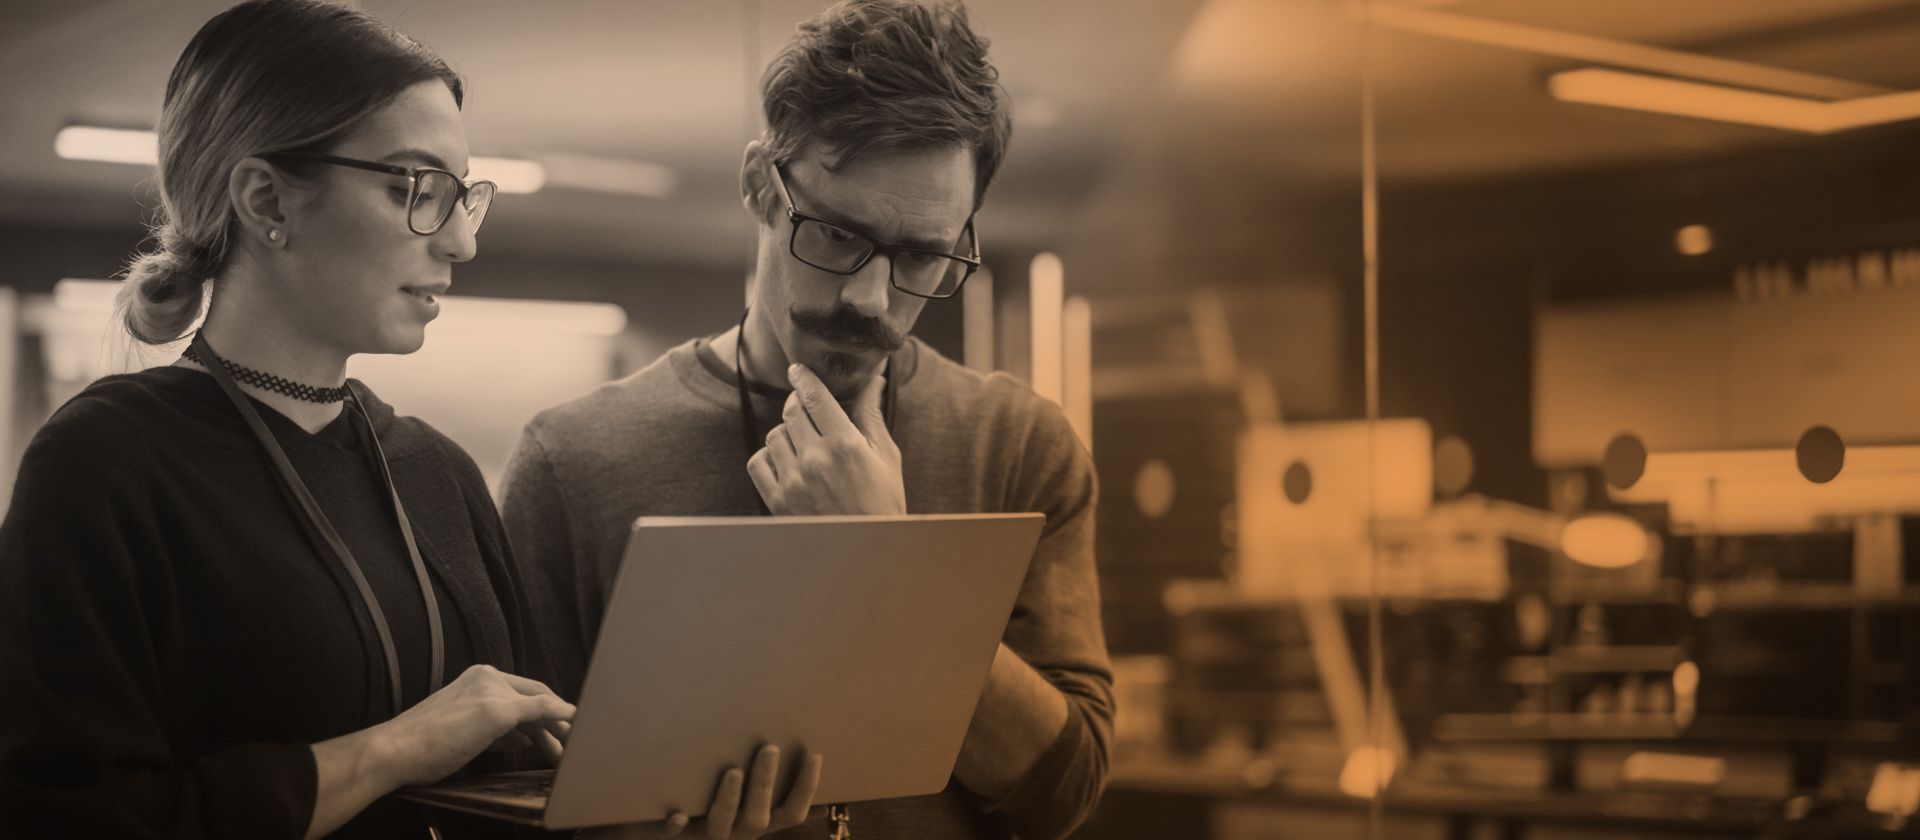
(1217, 248)
(1646, 274)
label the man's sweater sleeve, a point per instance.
(533, 506)
(84, 746)
(1056, 628)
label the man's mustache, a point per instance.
(845, 325)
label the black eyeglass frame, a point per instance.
(461, 194)
(875, 246)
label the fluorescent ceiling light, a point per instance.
(511, 176)
(618, 176)
(487, 316)
(494, 316)
(1641, 92)
(1263, 48)
(1722, 89)
(1551, 42)
(108, 145)
(141, 147)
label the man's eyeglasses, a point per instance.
(432, 193)
(839, 249)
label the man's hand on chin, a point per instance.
(821, 461)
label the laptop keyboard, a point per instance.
(521, 786)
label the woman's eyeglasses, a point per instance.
(432, 193)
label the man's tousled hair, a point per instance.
(885, 75)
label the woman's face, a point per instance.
(356, 277)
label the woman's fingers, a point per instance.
(533, 707)
(549, 746)
(558, 730)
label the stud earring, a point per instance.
(273, 235)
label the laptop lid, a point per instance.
(866, 639)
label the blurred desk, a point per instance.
(1167, 797)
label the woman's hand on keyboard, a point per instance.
(481, 708)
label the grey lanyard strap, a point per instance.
(322, 532)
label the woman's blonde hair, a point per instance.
(265, 76)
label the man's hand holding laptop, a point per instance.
(732, 817)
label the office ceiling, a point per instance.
(1102, 88)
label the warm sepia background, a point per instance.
(1505, 410)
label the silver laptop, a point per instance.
(865, 639)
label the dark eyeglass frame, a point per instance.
(875, 246)
(462, 193)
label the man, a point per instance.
(885, 125)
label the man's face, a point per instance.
(843, 326)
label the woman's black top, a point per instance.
(172, 642)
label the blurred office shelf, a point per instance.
(1505, 790)
(1798, 596)
(1205, 795)
(1574, 659)
(1616, 592)
(1460, 726)
(1735, 596)
(1574, 726)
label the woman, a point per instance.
(239, 596)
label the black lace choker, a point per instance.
(269, 382)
